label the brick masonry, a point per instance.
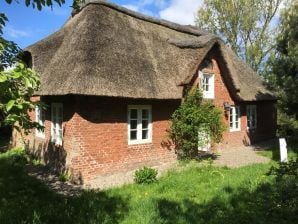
(95, 133)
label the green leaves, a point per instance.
(246, 25)
(17, 86)
(9, 105)
(39, 4)
(189, 119)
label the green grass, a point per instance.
(273, 152)
(197, 193)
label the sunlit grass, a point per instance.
(196, 193)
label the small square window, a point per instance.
(207, 85)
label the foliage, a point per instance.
(146, 175)
(64, 176)
(246, 25)
(192, 117)
(39, 4)
(287, 125)
(17, 86)
(17, 82)
(283, 66)
(287, 180)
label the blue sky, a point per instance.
(27, 25)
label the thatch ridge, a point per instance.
(106, 50)
(181, 28)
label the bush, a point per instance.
(287, 125)
(64, 176)
(193, 116)
(146, 175)
(286, 180)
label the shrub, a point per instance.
(193, 116)
(64, 176)
(287, 125)
(146, 175)
(286, 180)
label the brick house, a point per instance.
(112, 78)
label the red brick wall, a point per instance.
(266, 114)
(95, 138)
(101, 128)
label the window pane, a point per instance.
(60, 112)
(145, 134)
(145, 124)
(133, 124)
(133, 135)
(207, 84)
(231, 117)
(133, 113)
(145, 114)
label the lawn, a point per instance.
(196, 193)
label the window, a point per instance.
(57, 119)
(235, 118)
(39, 118)
(251, 113)
(207, 85)
(139, 124)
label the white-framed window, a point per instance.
(139, 124)
(56, 125)
(235, 118)
(207, 84)
(251, 113)
(40, 119)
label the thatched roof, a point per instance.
(107, 50)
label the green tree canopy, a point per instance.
(246, 25)
(283, 65)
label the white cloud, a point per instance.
(181, 11)
(16, 33)
(141, 6)
(132, 7)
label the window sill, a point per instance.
(235, 130)
(208, 96)
(138, 142)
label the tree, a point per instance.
(18, 82)
(192, 117)
(246, 25)
(283, 67)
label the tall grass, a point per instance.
(196, 193)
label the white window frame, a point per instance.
(40, 119)
(251, 113)
(233, 113)
(210, 93)
(55, 125)
(139, 129)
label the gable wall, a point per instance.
(265, 110)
